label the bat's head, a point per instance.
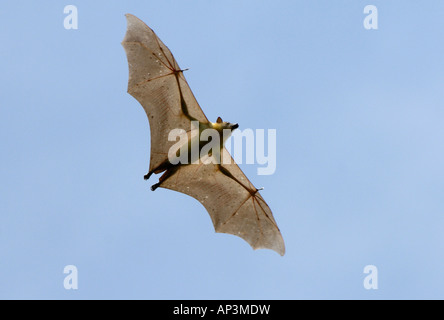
(221, 125)
(224, 128)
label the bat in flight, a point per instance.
(158, 83)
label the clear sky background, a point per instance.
(359, 179)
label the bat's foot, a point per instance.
(155, 186)
(148, 175)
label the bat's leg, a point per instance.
(166, 175)
(162, 167)
(228, 174)
(148, 175)
(155, 186)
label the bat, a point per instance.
(158, 83)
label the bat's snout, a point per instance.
(235, 126)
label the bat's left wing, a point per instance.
(233, 209)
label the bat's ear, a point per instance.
(219, 120)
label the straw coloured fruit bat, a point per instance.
(158, 83)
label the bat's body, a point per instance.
(221, 129)
(157, 82)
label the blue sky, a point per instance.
(359, 177)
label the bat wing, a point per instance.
(156, 81)
(233, 209)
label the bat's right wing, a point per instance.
(156, 81)
(232, 208)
